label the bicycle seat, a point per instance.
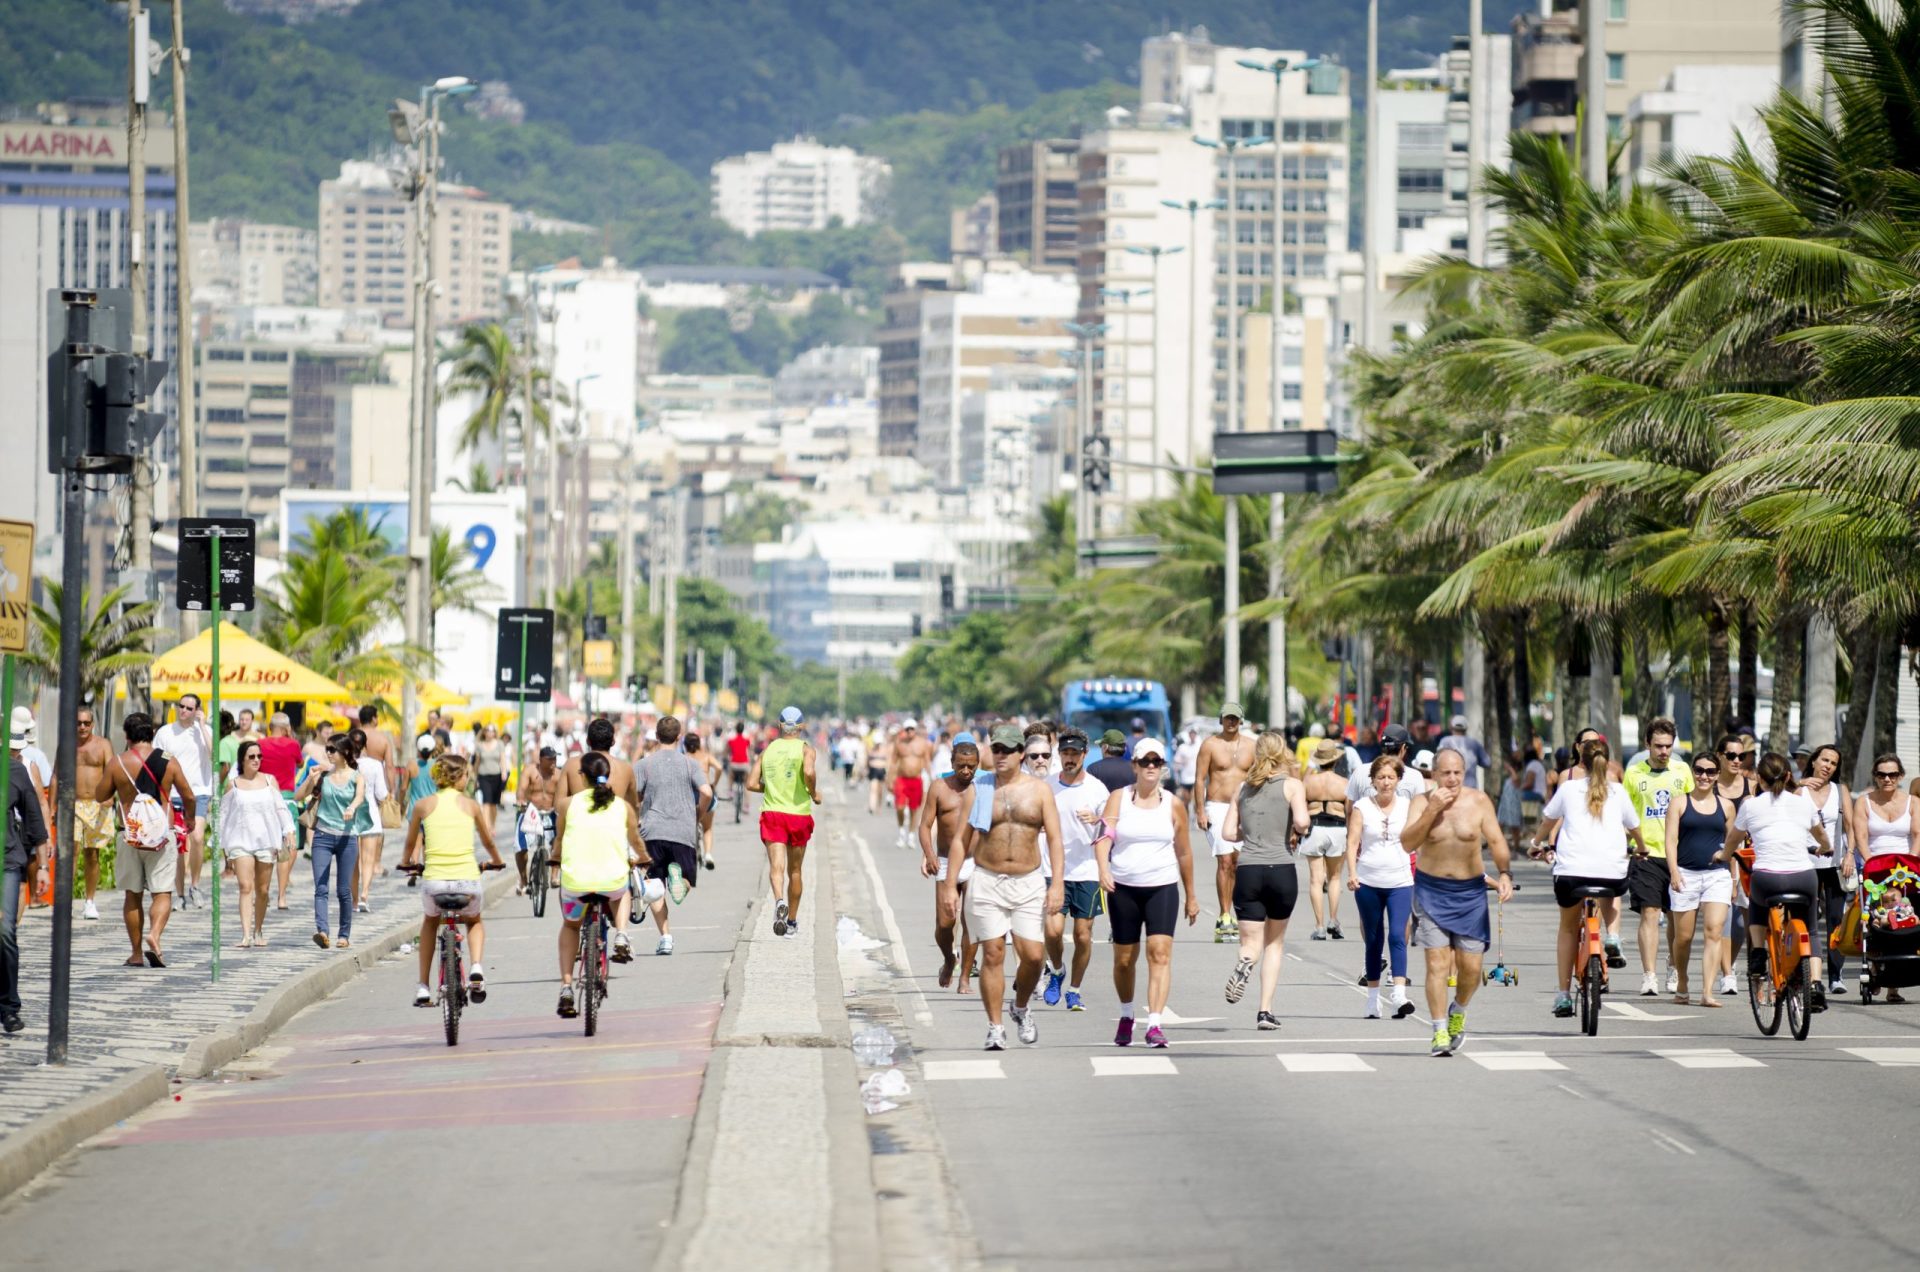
(453, 900)
(1594, 891)
(593, 896)
(1789, 898)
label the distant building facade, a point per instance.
(798, 185)
(366, 236)
(1037, 194)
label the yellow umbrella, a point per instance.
(429, 693)
(249, 671)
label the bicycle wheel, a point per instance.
(1799, 1001)
(1765, 1002)
(452, 991)
(588, 992)
(1590, 981)
(537, 881)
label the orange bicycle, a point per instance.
(1591, 958)
(1787, 984)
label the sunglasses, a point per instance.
(1734, 755)
(1885, 776)
(1151, 763)
(1706, 770)
(1039, 755)
(997, 749)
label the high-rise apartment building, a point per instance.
(900, 332)
(798, 185)
(1037, 189)
(238, 262)
(366, 237)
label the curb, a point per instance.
(32, 1149)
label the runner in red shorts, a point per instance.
(786, 778)
(907, 767)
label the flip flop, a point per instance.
(1682, 1000)
(154, 959)
(135, 961)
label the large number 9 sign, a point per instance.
(480, 541)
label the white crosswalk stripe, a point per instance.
(1508, 1061)
(1896, 1057)
(1324, 1062)
(1132, 1066)
(1709, 1058)
(961, 1070)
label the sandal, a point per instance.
(1682, 1000)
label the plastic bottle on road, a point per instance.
(874, 1046)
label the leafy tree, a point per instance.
(114, 638)
(486, 363)
(760, 518)
(700, 342)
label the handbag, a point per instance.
(391, 815)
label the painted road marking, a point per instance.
(1669, 1143)
(1132, 1066)
(1508, 1061)
(1893, 1057)
(920, 1014)
(1709, 1058)
(1324, 1062)
(1640, 1013)
(960, 1070)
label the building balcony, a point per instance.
(1537, 61)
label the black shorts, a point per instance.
(491, 785)
(876, 774)
(1130, 907)
(1563, 886)
(665, 854)
(1763, 885)
(1647, 883)
(1262, 893)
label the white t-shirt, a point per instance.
(39, 767)
(1779, 826)
(192, 748)
(1360, 785)
(1186, 761)
(1383, 863)
(1591, 847)
(1077, 836)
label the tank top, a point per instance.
(1701, 835)
(1830, 811)
(1884, 836)
(783, 778)
(334, 798)
(1383, 862)
(1142, 855)
(1266, 818)
(448, 835)
(594, 857)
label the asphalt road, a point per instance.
(1677, 1138)
(358, 1138)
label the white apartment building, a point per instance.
(366, 236)
(853, 594)
(1697, 110)
(1007, 317)
(239, 262)
(798, 185)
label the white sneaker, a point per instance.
(1649, 986)
(1728, 985)
(1673, 980)
(665, 946)
(91, 912)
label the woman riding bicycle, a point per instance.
(450, 824)
(596, 841)
(1781, 822)
(1593, 818)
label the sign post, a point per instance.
(523, 662)
(213, 804)
(16, 574)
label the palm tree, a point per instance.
(479, 480)
(486, 362)
(339, 585)
(453, 582)
(114, 638)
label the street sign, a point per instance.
(728, 701)
(523, 657)
(1290, 462)
(194, 590)
(698, 692)
(16, 586)
(596, 658)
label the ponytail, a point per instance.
(1775, 774)
(1594, 757)
(594, 767)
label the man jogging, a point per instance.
(786, 777)
(1450, 893)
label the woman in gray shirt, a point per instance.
(1267, 818)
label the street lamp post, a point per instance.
(1153, 361)
(1193, 208)
(1126, 295)
(1085, 333)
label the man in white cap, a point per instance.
(1471, 751)
(907, 765)
(1222, 768)
(786, 777)
(24, 741)
(189, 743)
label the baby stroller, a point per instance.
(1886, 917)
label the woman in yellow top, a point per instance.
(596, 841)
(441, 831)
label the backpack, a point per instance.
(149, 824)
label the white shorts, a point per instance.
(1217, 822)
(1713, 887)
(431, 888)
(146, 869)
(1001, 903)
(966, 871)
(1325, 841)
(267, 855)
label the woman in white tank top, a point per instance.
(1883, 815)
(1380, 873)
(1145, 863)
(1831, 801)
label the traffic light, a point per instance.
(118, 429)
(946, 593)
(1096, 463)
(636, 687)
(917, 627)
(105, 430)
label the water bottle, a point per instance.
(874, 1046)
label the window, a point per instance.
(226, 355)
(1616, 10)
(1616, 67)
(1413, 220)
(1290, 392)
(1422, 136)
(1422, 180)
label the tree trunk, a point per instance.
(1522, 714)
(1495, 698)
(1863, 651)
(1699, 698)
(1817, 724)
(1886, 696)
(1749, 670)
(1719, 690)
(1647, 702)
(1603, 690)
(1788, 637)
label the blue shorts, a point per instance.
(1083, 898)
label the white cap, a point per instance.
(425, 742)
(22, 727)
(909, 723)
(1424, 760)
(1149, 746)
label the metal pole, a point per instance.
(213, 803)
(183, 269)
(670, 596)
(1370, 250)
(6, 755)
(417, 422)
(531, 316)
(1193, 323)
(1277, 706)
(73, 509)
(1153, 378)
(140, 502)
(1593, 96)
(1231, 601)
(626, 561)
(1476, 132)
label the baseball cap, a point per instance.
(1424, 760)
(425, 742)
(1072, 740)
(1147, 747)
(1460, 722)
(1007, 735)
(909, 723)
(1231, 708)
(1139, 725)
(965, 739)
(791, 715)
(1395, 737)
(1113, 737)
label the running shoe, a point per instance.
(476, 986)
(665, 946)
(91, 912)
(1073, 1001)
(707, 862)
(1024, 1024)
(1563, 1005)
(1728, 985)
(996, 1038)
(1673, 980)
(1266, 1020)
(1442, 1042)
(1123, 1036)
(422, 996)
(1818, 997)
(1649, 986)
(1614, 957)
(1836, 986)
(1402, 1005)
(677, 885)
(1457, 1026)
(793, 929)
(1155, 1038)
(780, 918)
(1335, 934)
(567, 1011)
(1054, 980)
(1220, 931)
(1319, 934)
(622, 948)
(1237, 979)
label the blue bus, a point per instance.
(1113, 703)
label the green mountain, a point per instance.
(630, 100)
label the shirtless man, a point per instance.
(944, 818)
(540, 787)
(156, 869)
(380, 746)
(1224, 760)
(879, 756)
(93, 800)
(712, 768)
(907, 764)
(1009, 894)
(1450, 893)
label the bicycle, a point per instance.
(539, 873)
(738, 777)
(452, 942)
(1786, 982)
(588, 993)
(1590, 953)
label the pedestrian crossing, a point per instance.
(1489, 1059)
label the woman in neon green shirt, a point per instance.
(596, 842)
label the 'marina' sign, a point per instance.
(49, 143)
